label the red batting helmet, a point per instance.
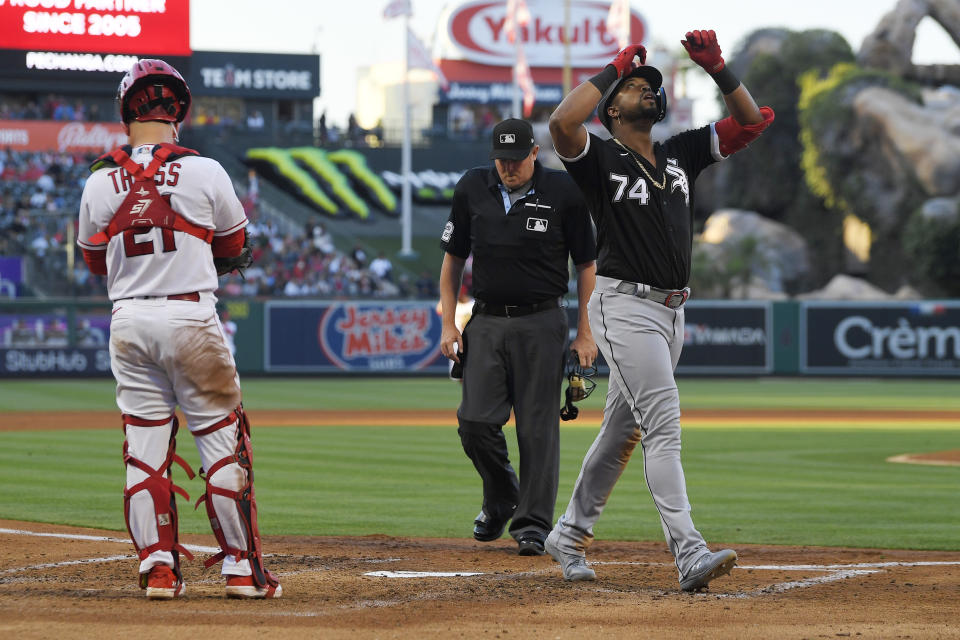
(153, 90)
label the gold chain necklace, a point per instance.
(659, 185)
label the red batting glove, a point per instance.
(703, 49)
(624, 60)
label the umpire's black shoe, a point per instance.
(487, 528)
(530, 546)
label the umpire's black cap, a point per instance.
(512, 140)
(650, 74)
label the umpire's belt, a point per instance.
(514, 310)
(667, 297)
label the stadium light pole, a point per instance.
(406, 222)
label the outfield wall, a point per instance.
(401, 337)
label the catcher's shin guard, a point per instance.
(160, 487)
(240, 490)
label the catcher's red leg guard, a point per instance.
(232, 477)
(158, 486)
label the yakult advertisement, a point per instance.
(910, 338)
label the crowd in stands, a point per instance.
(40, 198)
(53, 107)
(311, 266)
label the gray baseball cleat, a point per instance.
(707, 568)
(574, 567)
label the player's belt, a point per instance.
(667, 297)
(193, 296)
(514, 310)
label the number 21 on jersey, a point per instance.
(638, 191)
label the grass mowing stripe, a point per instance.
(779, 486)
(440, 393)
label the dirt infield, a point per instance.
(81, 583)
(65, 582)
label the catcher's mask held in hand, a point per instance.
(580, 386)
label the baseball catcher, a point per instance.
(160, 222)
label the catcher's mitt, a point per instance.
(235, 263)
(580, 386)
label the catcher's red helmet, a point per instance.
(153, 90)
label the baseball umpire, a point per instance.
(523, 222)
(160, 222)
(641, 196)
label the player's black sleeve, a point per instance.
(699, 148)
(586, 171)
(456, 233)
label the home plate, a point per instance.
(422, 574)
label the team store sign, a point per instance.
(115, 26)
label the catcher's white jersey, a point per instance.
(149, 264)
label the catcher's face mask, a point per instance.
(580, 385)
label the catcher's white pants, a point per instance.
(168, 353)
(641, 342)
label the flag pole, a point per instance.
(406, 249)
(516, 78)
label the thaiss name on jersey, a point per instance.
(168, 174)
(640, 190)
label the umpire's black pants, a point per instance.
(518, 363)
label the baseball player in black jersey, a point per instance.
(640, 194)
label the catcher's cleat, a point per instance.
(707, 568)
(244, 587)
(163, 584)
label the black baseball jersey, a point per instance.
(644, 218)
(520, 256)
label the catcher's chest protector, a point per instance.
(144, 207)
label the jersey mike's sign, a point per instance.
(367, 337)
(478, 32)
(115, 26)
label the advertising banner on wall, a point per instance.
(65, 137)
(94, 73)
(888, 338)
(254, 75)
(365, 337)
(476, 31)
(727, 337)
(40, 344)
(720, 338)
(130, 26)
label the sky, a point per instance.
(350, 34)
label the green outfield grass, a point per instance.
(441, 393)
(823, 485)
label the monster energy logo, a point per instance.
(337, 182)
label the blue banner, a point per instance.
(67, 362)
